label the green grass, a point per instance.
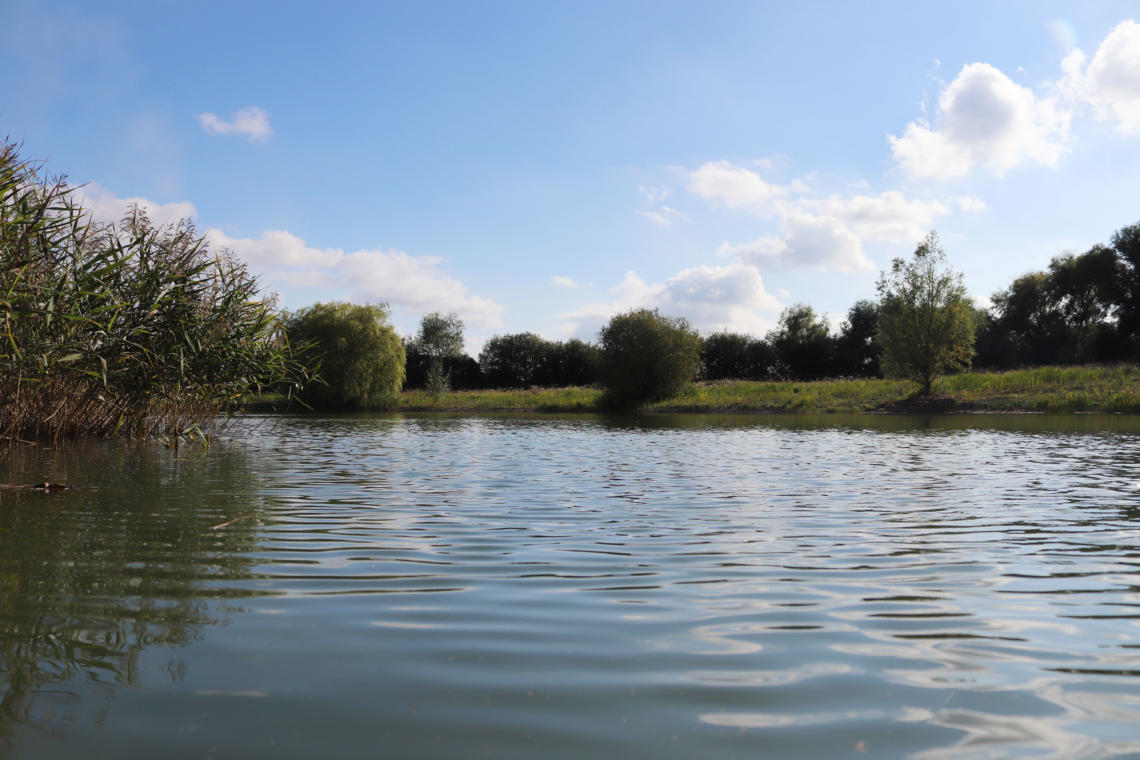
(541, 400)
(1043, 389)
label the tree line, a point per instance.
(1083, 308)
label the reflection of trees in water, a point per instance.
(90, 578)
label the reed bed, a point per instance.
(122, 329)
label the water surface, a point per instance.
(678, 587)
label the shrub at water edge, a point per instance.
(646, 356)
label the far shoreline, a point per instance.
(1113, 389)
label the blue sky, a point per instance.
(539, 165)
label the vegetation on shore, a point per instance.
(122, 329)
(133, 329)
(357, 353)
(1106, 389)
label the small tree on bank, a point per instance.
(439, 340)
(646, 356)
(926, 320)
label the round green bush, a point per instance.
(647, 357)
(362, 360)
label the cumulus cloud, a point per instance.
(888, 218)
(820, 232)
(984, 119)
(1111, 82)
(711, 297)
(253, 122)
(821, 242)
(415, 283)
(733, 186)
(105, 206)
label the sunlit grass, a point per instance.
(1043, 389)
(541, 400)
(1114, 389)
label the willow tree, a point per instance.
(926, 320)
(362, 358)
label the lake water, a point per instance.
(568, 587)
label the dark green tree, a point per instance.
(569, 363)
(724, 356)
(646, 356)
(926, 320)
(734, 356)
(1029, 320)
(514, 361)
(803, 343)
(362, 358)
(1126, 244)
(856, 348)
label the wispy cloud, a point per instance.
(569, 282)
(664, 216)
(252, 122)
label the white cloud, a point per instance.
(664, 216)
(822, 232)
(984, 120)
(887, 218)
(822, 242)
(252, 122)
(105, 206)
(276, 248)
(415, 283)
(1111, 83)
(711, 297)
(412, 283)
(733, 186)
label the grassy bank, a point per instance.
(1044, 389)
